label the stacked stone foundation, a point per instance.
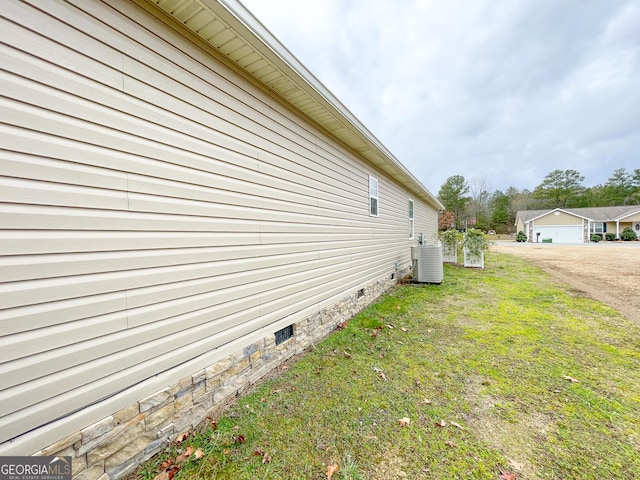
(114, 446)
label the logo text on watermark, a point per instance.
(35, 468)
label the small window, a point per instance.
(411, 219)
(373, 197)
(597, 227)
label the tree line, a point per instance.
(469, 203)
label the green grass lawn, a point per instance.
(499, 371)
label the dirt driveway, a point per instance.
(608, 272)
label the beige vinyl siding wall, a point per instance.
(426, 222)
(157, 212)
(611, 226)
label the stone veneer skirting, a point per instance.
(114, 446)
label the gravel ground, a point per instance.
(608, 272)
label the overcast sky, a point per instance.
(502, 90)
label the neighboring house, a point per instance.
(183, 206)
(576, 225)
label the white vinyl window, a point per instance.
(410, 219)
(597, 227)
(373, 197)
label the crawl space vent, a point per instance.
(284, 334)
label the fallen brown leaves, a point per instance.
(183, 456)
(331, 469)
(171, 466)
(212, 423)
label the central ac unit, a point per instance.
(427, 263)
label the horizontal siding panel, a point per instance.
(31, 91)
(149, 295)
(257, 197)
(21, 39)
(225, 176)
(251, 294)
(283, 238)
(73, 108)
(27, 192)
(171, 172)
(281, 167)
(159, 293)
(201, 208)
(60, 288)
(15, 423)
(22, 217)
(43, 347)
(289, 305)
(29, 242)
(35, 316)
(27, 267)
(42, 315)
(67, 355)
(21, 114)
(34, 168)
(64, 34)
(55, 125)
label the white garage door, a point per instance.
(560, 233)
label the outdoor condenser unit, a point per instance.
(427, 263)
